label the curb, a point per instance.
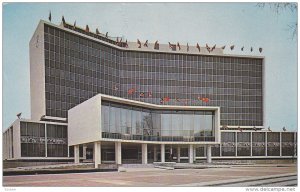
(54, 171)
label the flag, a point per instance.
(63, 20)
(49, 16)
(74, 26)
(156, 45)
(97, 31)
(208, 48)
(146, 43)
(139, 43)
(232, 47)
(198, 47)
(150, 94)
(269, 129)
(19, 115)
(223, 47)
(142, 94)
(178, 45)
(131, 91)
(214, 47)
(166, 99)
(204, 99)
(260, 49)
(106, 35)
(187, 47)
(240, 129)
(172, 46)
(116, 88)
(87, 29)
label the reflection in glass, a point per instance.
(126, 122)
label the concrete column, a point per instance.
(76, 154)
(97, 154)
(84, 151)
(46, 141)
(208, 153)
(178, 154)
(280, 144)
(162, 152)
(236, 144)
(9, 143)
(4, 146)
(194, 153)
(191, 153)
(295, 142)
(155, 153)
(251, 144)
(144, 154)
(94, 153)
(118, 153)
(266, 144)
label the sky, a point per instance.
(241, 24)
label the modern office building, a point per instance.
(125, 102)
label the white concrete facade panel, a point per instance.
(37, 73)
(87, 116)
(84, 123)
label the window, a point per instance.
(230, 82)
(154, 125)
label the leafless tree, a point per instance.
(279, 8)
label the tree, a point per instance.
(279, 8)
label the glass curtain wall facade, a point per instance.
(228, 142)
(38, 139)
(136, 123)
(258, 144)
(34, 140)
(243, 144)
(273, 143)
(239, 144)
(287, 144)
(77, 68)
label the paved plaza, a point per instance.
(148, 177)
